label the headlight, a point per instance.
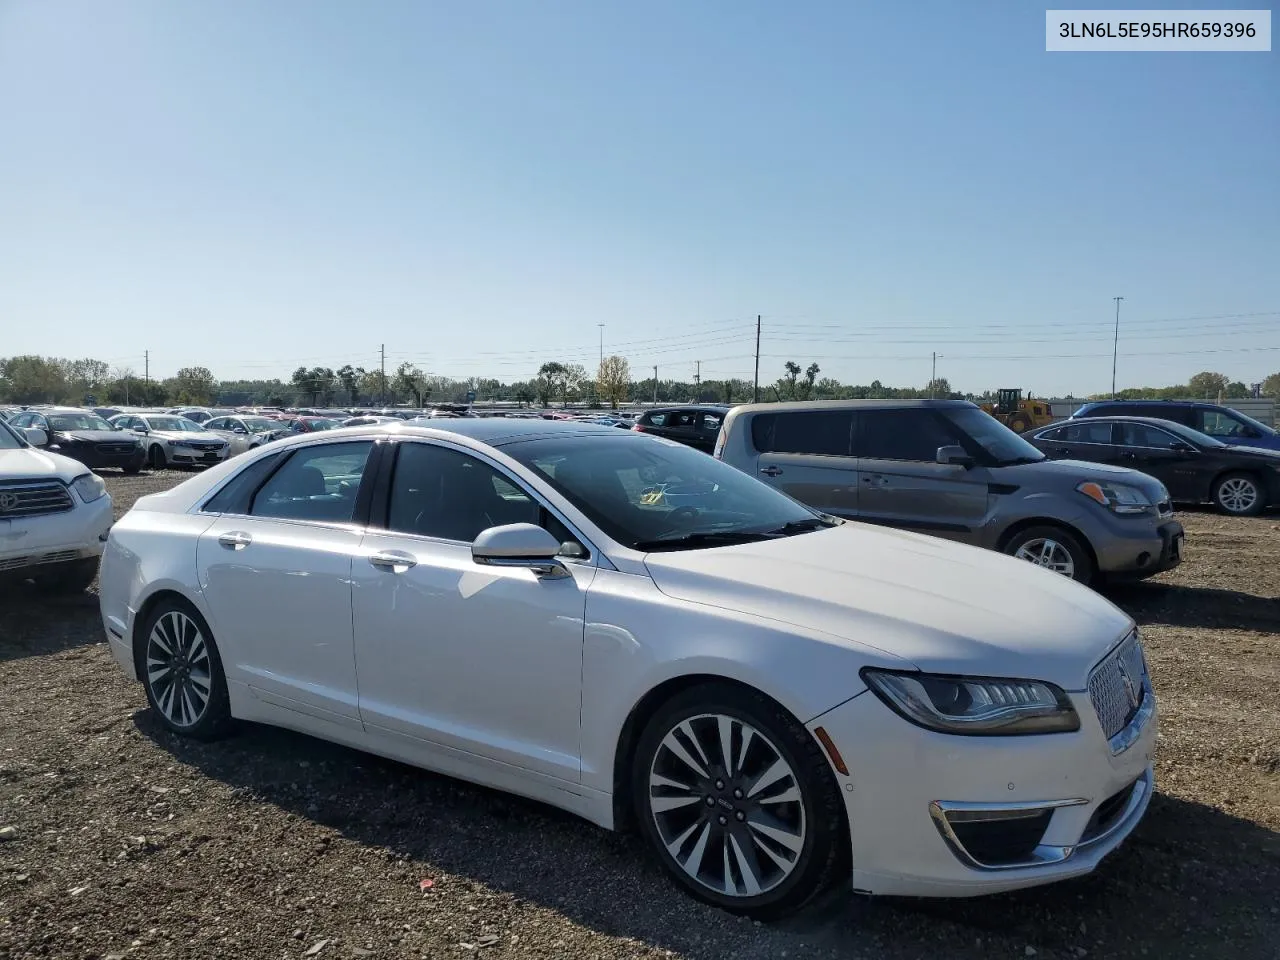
(988, 706)
(90, 487)
(1116, 497)
(181, 443)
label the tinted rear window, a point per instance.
(818, 432)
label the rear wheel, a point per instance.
(182, 672)
(1239, 495)
(1054, 549)
(156, 455)
(738, 801)
(1019, 423)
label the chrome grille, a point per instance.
(17, 563)
(117, 448)
(1118, 684)
(33, 499)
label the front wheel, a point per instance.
(1054, 549)
(738, 801)
(1238, 494)
(182, 672)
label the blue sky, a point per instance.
(250, 186)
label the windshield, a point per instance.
(180, 424)
(258, 424)
(8, 439)
(77, 421)
(323, 424)
(1262, 428)
(1001, 443)
(639, 489)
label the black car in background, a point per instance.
(696, 426)
(1194, 467)
(82, 435)
(1212, 419)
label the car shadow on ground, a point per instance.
(1196, 607)
(34, 624)
(1191, 876)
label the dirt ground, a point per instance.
(127, 842)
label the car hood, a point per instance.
(1261, 454)
(1073, 472)
(940, 606)
(97, 436)
(188, 435)
(29, 463)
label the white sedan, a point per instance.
(775, 698)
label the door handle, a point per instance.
(236, 540)
(771, 471)
(877, 481)
(393, 561)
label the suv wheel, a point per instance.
(1054, 549)
(1238, 494)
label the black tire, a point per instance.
(73, 577)
(1082, 568)
(133, 471)
(1232, 492)
(1019, 423)
(157, 458)
(214, 721)
(824, 848)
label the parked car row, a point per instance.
(624, 627)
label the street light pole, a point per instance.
(933, 377)
(1115, 348)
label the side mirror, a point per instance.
(1253, 433)
(956, 456)
(35, 436)
(520, 545)
(142, 430)
(239, 430)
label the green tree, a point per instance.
(612, 380)
(349, 377)
(1271, 386)
(1207, 385)
(786, 387)
(194, 385)
(556, 375)
(410, 381)
(806, 385)
(32, 379)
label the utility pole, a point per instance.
(146, 366)
(595, 384)
(655, 384)
(601, 326)
(382, 399)
(1115, 348)
(933, 379)
(755, 395)
(697, 382)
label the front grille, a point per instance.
(1108, 813)
(1004, 841)
(33, 499)
(17, 563)
(206, 446)
(117, 449)
(1118, 684)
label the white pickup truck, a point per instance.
(54, 516)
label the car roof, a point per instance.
(1170, 403)
(792, 406)
(1154, 421)
(496, 431)
(715, 407)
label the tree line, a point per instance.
(36, 379)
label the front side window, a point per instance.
(317, 483)
(1001, 445)
(1142, 435)
(449, 495)
(1219, 424)
(908, 434)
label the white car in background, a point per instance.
(173, 441)
(241, 430)
(777, 698)
(54, 517)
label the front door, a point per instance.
(1152, 451)
(451, 654)
(277, 581)
(901, 483)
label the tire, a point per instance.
(157, 458)
(133, 471)
(72, 577)
(1238, 495)
(175, 637)
(713, 814)
(1019, 423)
(1054, 548)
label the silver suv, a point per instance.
(946, 468)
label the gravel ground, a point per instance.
(128, 842)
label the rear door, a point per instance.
(681, 426)
(901, 483)
(807, 454)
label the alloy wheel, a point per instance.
(178, 669)
(727, 805)
(1237, 495)
(1048, 553)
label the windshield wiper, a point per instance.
(804, 526)
(690, 541)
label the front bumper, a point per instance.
(910, 790)
(190, 457)
(96, 459)
(1133, 553)
(76, 534)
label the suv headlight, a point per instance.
(981, 706)
(90, 487)
(1116, 497)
